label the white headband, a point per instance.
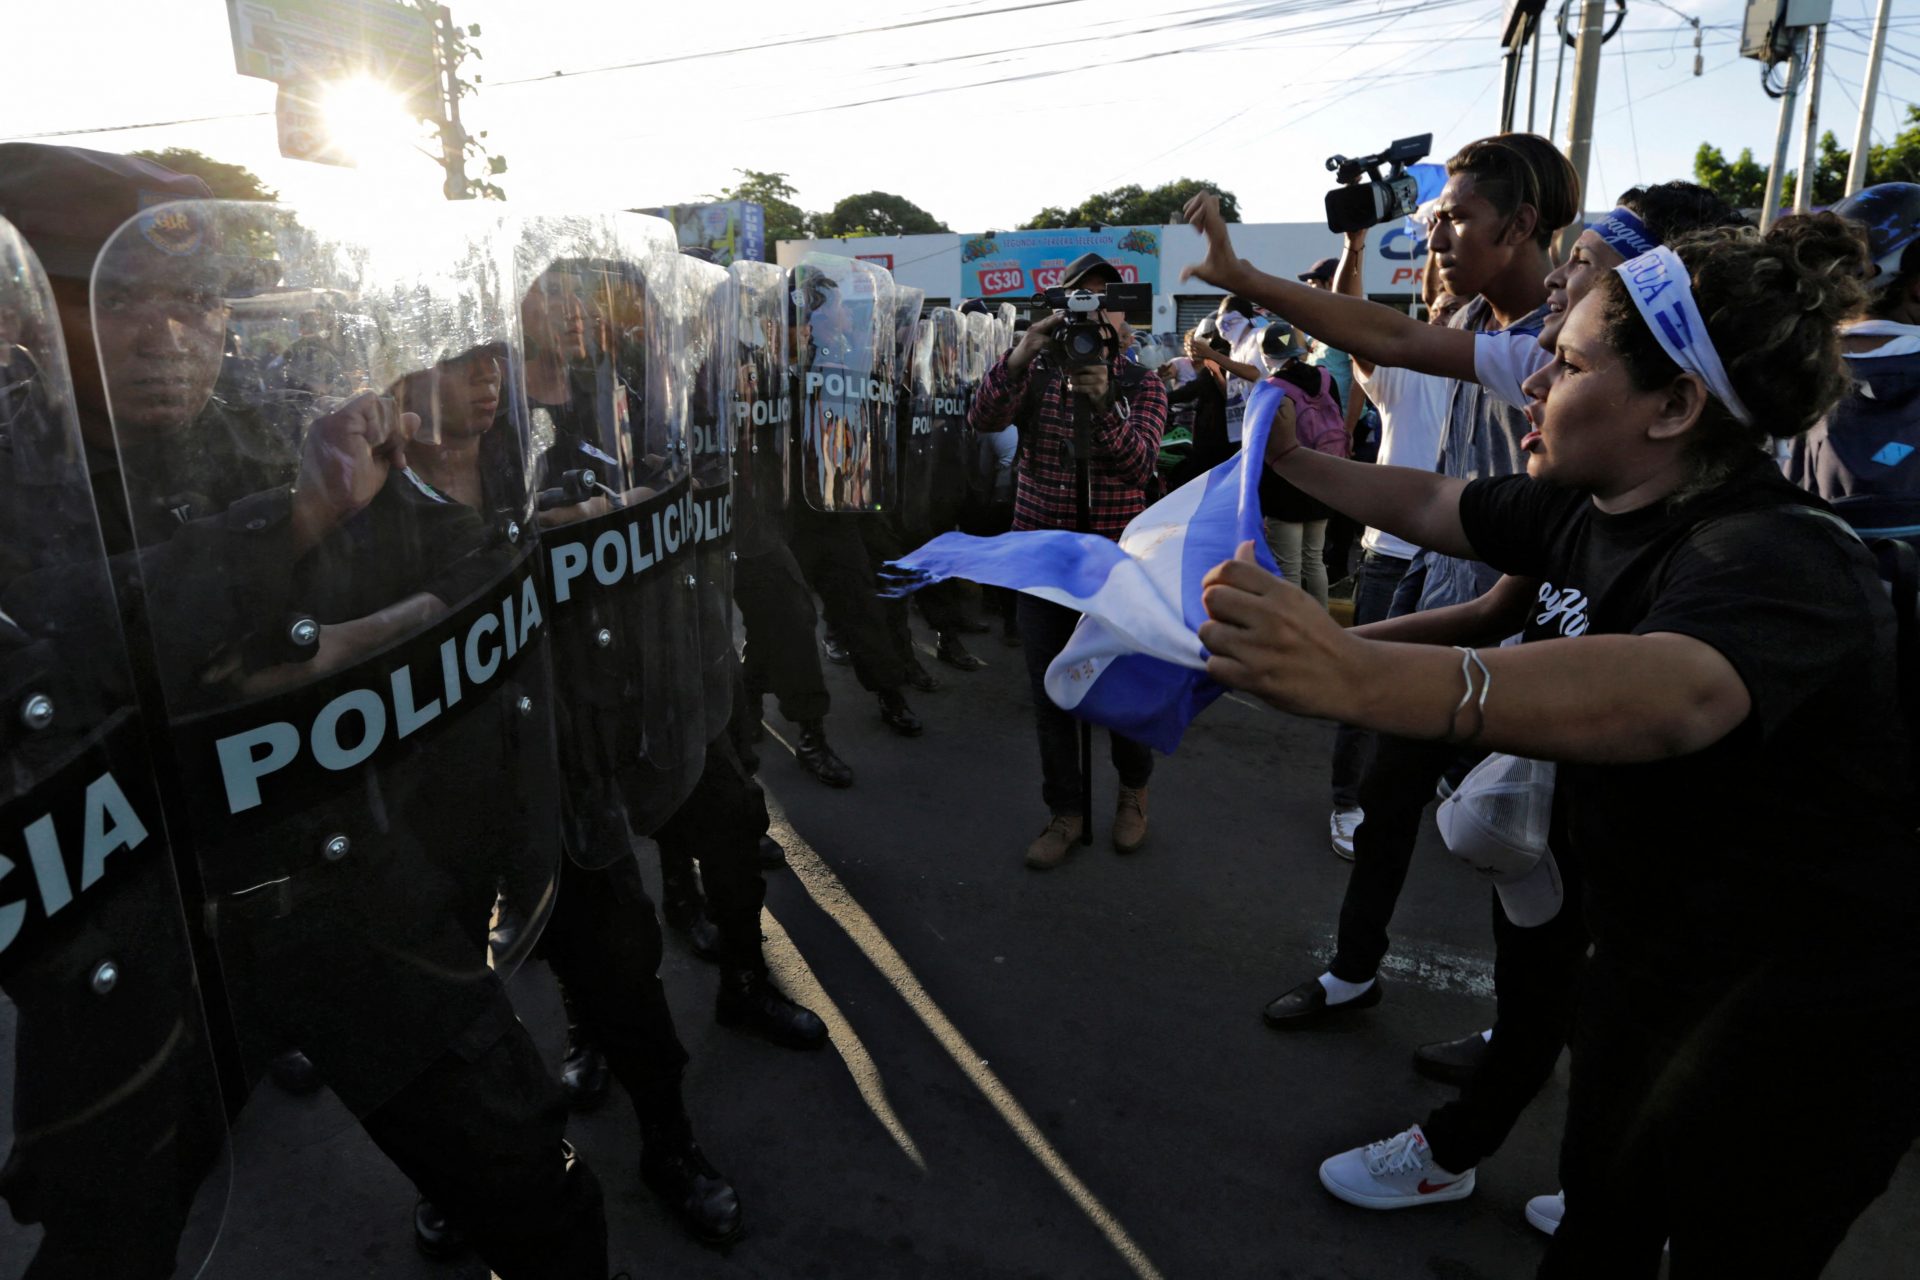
(1657, 282)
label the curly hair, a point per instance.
(1671, 209)
(1522, 169)
(1772, 305)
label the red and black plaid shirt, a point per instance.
(1126, 443)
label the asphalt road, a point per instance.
(1058, 1075)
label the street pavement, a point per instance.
(1056, 1076)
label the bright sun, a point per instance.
(365, 119)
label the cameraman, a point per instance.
(1129, 413)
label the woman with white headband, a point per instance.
(1714, 671)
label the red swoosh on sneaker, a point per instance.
(1428, 1188)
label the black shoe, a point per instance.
(816, 757)
(294, 1073)
(697, 1193)
(584, 1075)
(684, 909)
(920, 678)
(433, 1235)
(899, 716)
(750, 1001)
(772, 856)
(954, 654)
(1306, 1006)
(837, 653)
(1451, 1061)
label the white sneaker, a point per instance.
(1393, 1174)
(1345, 822)
(1544, 1212)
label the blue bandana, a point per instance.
(1625, 234)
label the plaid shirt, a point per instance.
(1126, 443)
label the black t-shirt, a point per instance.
(1779, 858)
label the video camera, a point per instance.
(1357, 207)
(1087, 339)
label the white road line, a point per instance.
(796, 978)
(1438, 967)
(832, 897)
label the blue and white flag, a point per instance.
(1134, 664)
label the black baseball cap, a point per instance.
(1085, 265)
(68, 202)
(975, 306)
(1322, 270)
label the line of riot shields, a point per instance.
(316, 679)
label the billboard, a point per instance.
(291, 41)
(1018, 264)
(733, 230)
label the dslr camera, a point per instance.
(1357, 205)
(1087, 339)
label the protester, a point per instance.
(1130, 411)
(1737, 649)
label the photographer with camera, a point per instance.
(1069, 364)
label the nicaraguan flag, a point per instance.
(1135, 663)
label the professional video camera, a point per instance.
(1086, 338)
(1357, 207)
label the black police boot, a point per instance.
(293, 1072)
(673, 1167)
(772, 856)
(584, 1074)
(433, 1235)
(837, 653)
(750, 1001)
(817, 758)
(919, 677)
(684, 908)
(899, 716)
(954, 654)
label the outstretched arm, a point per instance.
(1369, 331)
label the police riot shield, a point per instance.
(940, 400)
(843, 352)
(977, 358)
(601, 320)
(343, 623)
(708, 376)
(113, 1120)
(913, 454)
(1004, 316)
(762, 407)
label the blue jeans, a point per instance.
(1044, 630)
(1375, 584)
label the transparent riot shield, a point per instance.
(912, 457)
(342, 615)
(762, 407)
(708, 376)
(939, 386)
(843, 350)
(1004, 316)
(601, 322)
(114, 1126)
(977, 357)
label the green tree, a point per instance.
(1134, 205)
(878, 213)
(226, 181)
(1743, 182)
(774, 194)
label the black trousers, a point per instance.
(833, 555)
(1536, 979)
(939, 604)
(604, 944)
(1374, 583)
(719, 826)
(1395, 792)
(781, 655)
(1750, 1140)
(480, 1133)
(1044, 630)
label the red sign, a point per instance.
(884, 259)
(999, 280)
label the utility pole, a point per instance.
(1857, 171)
(1770, 203)
(1533, 84)
(1816, 61)
(453, 139)
(1586, 88)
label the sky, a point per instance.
(979, 117)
